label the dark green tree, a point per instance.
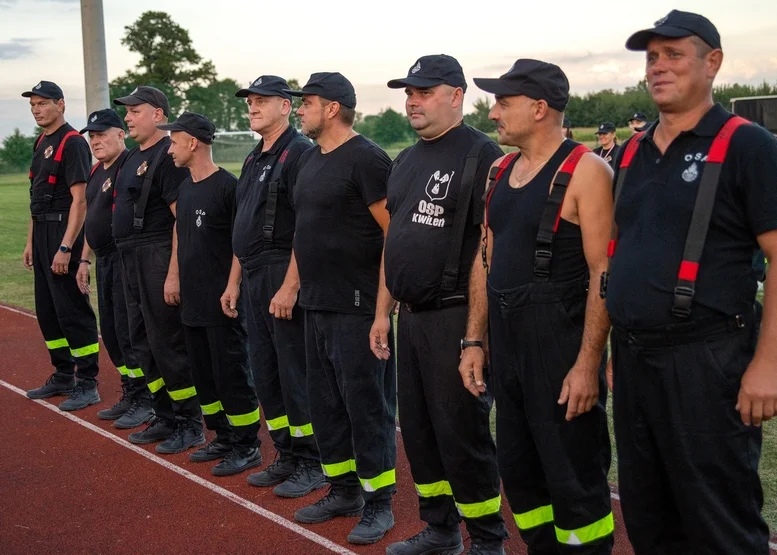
(217, 101)
(479, 117)
(16, 152)
(391, 127)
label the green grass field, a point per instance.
(16, 289)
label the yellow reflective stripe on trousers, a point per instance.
(182, 394)
(86, 351)
(301, 431)
(435, 489)
(135, 373)
(57, 344)
(244, 419)
(475, 510)
(388, 478)
(212, 408)
(535, 517)
(156, 385)
(123, 370)
(587, 534)
(338, 469)
(278, 423)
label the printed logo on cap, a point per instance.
(661, 21)
(39, 85)
(133, 92)
(94, 118)
(416, 68)
(257, 82)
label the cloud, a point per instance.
(16, 48)
(9, 4)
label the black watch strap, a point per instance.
(465, 344)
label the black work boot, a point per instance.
(139, 413)
(84, 394)
(278, 471)
(377, 519)
(159, 430)
(340, 501)
(57, 384)
(432, 539)
(187, 434)
(117, 410)
(485, 548)
(213, 451)
(306, 478)
(237, 461)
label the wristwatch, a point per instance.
(465, 344)
(64, 248)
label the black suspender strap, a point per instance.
(140, 205)
(274, 188)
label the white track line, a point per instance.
(277, 519)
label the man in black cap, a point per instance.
(608, 142)
(213, 325)
(434, 198)
(262, 240)
(146, 192)
(58, 175)
(637, 123)
(693, 381)
(340, 204)
(545, 240)
(106, 139)
(566, 128)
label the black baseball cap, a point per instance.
(638, 116)
(196, 125)
(145, 95)
(606, 127)
(676, 25)
(46, 89)
(266, 85)
(567, 124)
(332, 86)
(430, 71)
(532, 78)
(102, 120)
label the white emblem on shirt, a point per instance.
(416, 68)
(691, 173)
(200, 214)
(264, 173)
(437, 186)
(699, 157)
(48, 152)
(106, 184)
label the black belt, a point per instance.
(49, 217)
(437, 304)
(683, 333)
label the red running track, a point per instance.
(72, 484)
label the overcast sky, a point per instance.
(372, 42)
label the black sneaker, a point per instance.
(55, 385)
(482, 548)
(139, 413)
(159, 430)
(278, 471)
(117, 410)
(185, 436)
(237, 461)
(306, 478)
(377, 519)
(340, 501)
(431, 539)
(213, 451)
(82, 397)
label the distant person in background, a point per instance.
(637, 123)
(608, 143)
(566, 129)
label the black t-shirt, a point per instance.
(609, 154)
(206, 212)
(654, 212)
(338, 244)
(74, 168)
(99, 204)
(164, 191)
(252, 189)
(423, 196)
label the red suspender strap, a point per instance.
(700, 220)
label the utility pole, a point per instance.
(95, 62)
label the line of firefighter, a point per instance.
(217, 295)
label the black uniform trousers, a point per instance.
(219, 363)
(554, 472)
(155, 327)
(352, 403)
(65, 315)
(445, 429)
(277, 356)
(688, 466)
(114, 323)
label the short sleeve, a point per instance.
(758, 180)
(370, 174)
(76, 160)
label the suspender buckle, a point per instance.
(542, 262)
(267, 232)
(683, 297)
(137, 223)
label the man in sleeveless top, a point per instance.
(548, 328)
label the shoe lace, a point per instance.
(328, 498)
(133, 409)
(370, 514)
(279, 460)
(77, 390)
(123, 398)
(420, 536)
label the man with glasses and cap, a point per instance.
(58, 175)
(696, 195)
(106, 138)
(340, 203)
(435, 190)
(262, 241)
(608, 143)
(146, 193)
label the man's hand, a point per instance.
(172, 290)
(60, 263)
(579, 391)
(471, 369)
(82, 278)
(757, 400)
(27, 256)
(283, 302)
(229, 300)
(379, 337)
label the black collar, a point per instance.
(279, 143)
(708, 125)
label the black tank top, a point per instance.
(514, 219)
